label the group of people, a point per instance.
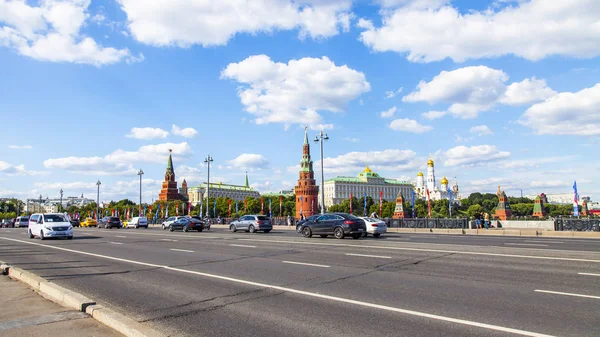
(485, 222)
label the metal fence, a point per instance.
(577, 225)
(445, 223)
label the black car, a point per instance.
(337, 224)
(187, 224)
(75, 222)
(110, 222)
(205, 221)
(302, 222)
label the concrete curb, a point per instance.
(70, 299)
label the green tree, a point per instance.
(474, 209)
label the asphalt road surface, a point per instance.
(217, 283)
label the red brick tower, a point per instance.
(503, 210)
(169, 189)
(307, 191)
(399, 210)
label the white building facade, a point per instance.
(367, 182)
(220, 190)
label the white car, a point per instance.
(49, 225)
(170, 220)
(138, 221)
(376, 227)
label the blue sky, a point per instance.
(497, 92)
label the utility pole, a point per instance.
(321, 137)
(208, 160)
(98, 199)
(140, 173)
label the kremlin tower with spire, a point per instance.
(307, 190)
(169, 189)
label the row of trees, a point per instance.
(476, 204)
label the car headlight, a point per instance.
(48, 228)
(70, 227)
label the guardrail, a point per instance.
(577, 225)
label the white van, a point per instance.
(49, 225)
(138, 221)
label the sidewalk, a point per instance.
(23, 312)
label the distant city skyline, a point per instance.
(489, 109)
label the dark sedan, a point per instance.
(339, 225)
(187, 224)
(74, 222)
(302, 222)
(110, 222)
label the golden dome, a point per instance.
(420, 174)
(430, 162)
(444, 181)
(367, 170)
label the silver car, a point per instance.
(252, 223)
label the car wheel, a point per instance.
(299, 228)
(307, 232)
(356, 236)
(267, 230)
(185, 228)
(232, 228)
(69, 238)
(376, 235)
(29, 233)
(365, 234)
(323, 235)
(200, 229)
(338, 232)
(163, 227)
(42, 235)
(171, 229)
(251, 229)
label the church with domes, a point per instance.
(436, 192)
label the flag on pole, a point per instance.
(428, 204)
(280, 206)
(215, 208)
(350, 203)
(189, 208)
(312, 205)
(270, 210)
(157, 209)
(365, 204)
(229, 208)
(144, 211)
(201, 205)
(236, 208)
(575, 200)
(166, 210)
(449, 201)
(301, 204)
(412, 203)
(245, 205)
(177, 209)
(380, 203)
(262, 205)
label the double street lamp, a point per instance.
(320, 138)
(207, 161)
(98, 198)
(140, 173)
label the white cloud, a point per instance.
(20, 147)
(481, 130)
(147, 133)
(355, 162)
(52, 32)
(431, 115)
(120, 162)
(293, 93)
(549, 183)
(17, 170)
(392, 93)
(463, 155)
(429, 30)
(389, 113)
(471, 90)
(526, 92)
(351, 139)
(249, 161)
(263, 187)
(566, 113)
(215, 22)
(533, 162)
(186, 132)
(409, 125)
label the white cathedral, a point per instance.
(435, 192)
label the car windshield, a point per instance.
(24, 219)
(114, 219)
(54, 218)
(371, 219)
(348, 216)
(262, 217)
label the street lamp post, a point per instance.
(321, 137)
(40, 204)
(98, 198)
(140, 173)
(208, 160)
(61, 195)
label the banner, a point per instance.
(270, 210)
(236, 208)
(575, 200)
(449, 201)
(428, 204)
(365, 204)
(157, 209)
(312, 205)
(229, 208)
(380, 203)
(176, 209)
(280, 206)
(189, 208)
(144, 211)
(201, 211)
(166, 210)
(350, 203)
(215, 208)
(262, 205)
(301, 204)
(412, 203)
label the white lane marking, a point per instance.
(429, 250)
(301, 292)
(307, 264)
(375, 256)
(566, 294)
(116, 243)
(589, 274)
(200, 236)
(181, 250)
(247, 246)
(168, 240)
(525, 244)
(121, 236)
(544, 241)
